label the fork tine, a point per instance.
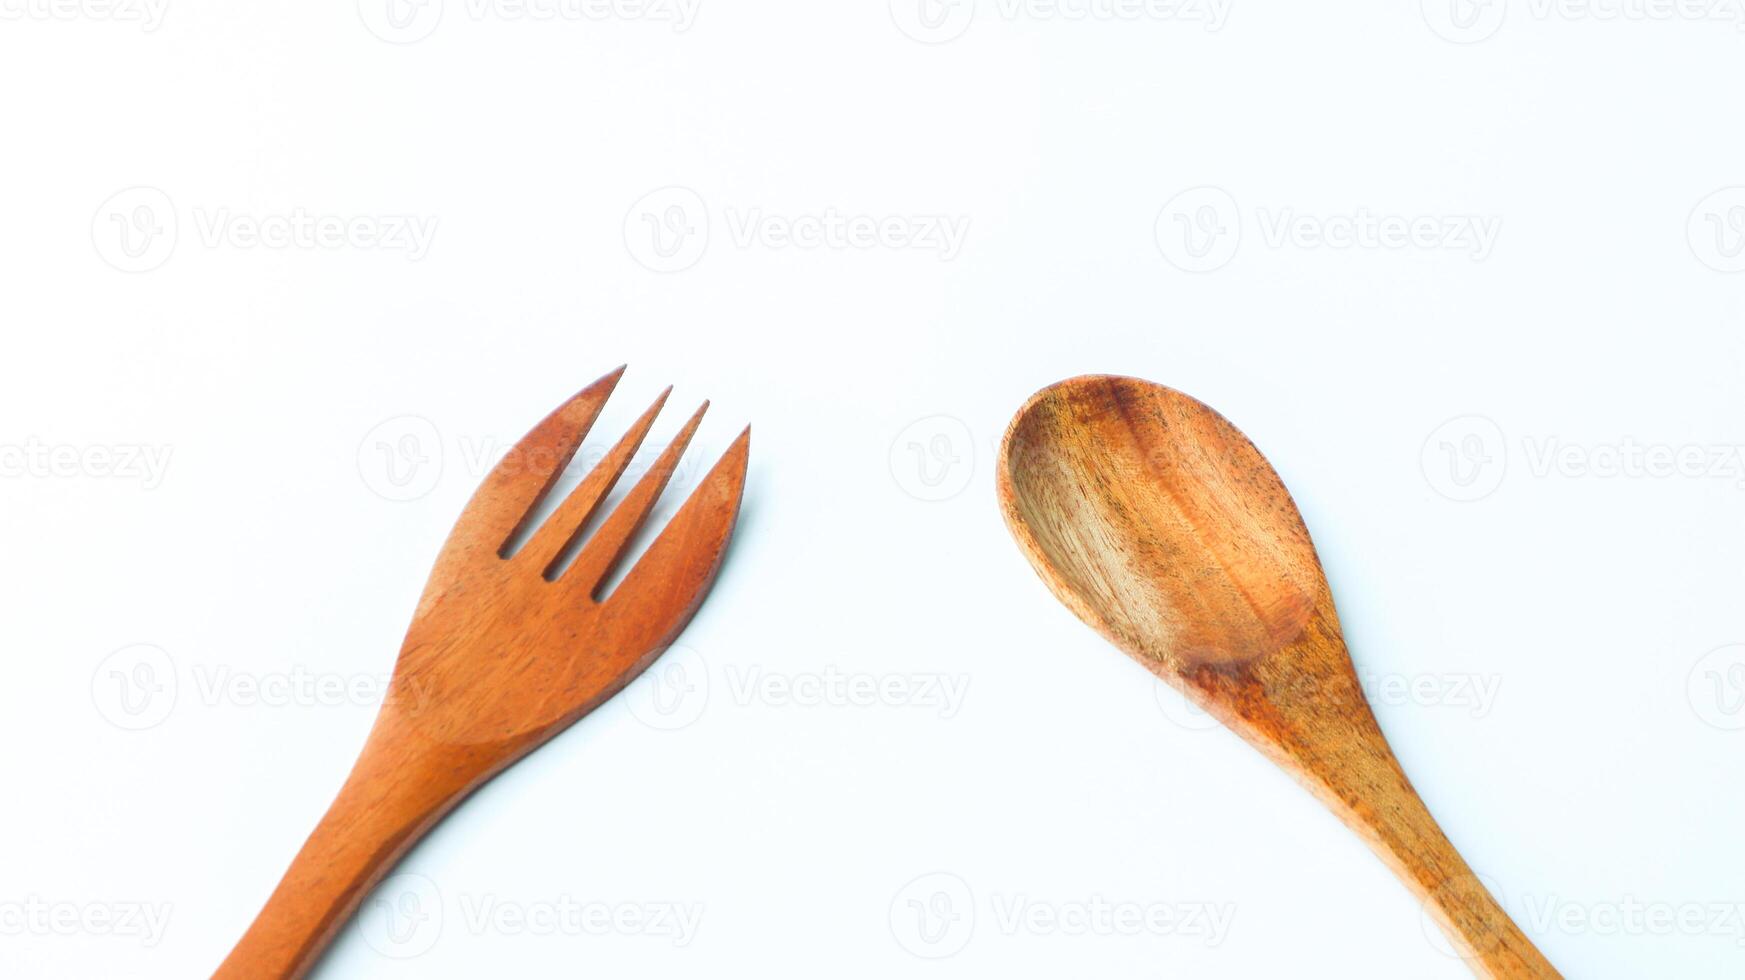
(679, 565)
(560, 530)
(507, 496)
(599, 555)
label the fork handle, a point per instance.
(396, 792)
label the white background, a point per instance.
(326, 406)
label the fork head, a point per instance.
(509, 645)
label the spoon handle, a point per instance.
(1317, 725)
(1375, 798)
(394, 794)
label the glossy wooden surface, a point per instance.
(502, 654)
(1159, 524)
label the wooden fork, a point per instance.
(502, 654)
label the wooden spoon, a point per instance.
(1159, 524)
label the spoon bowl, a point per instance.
(1189, 554)
(1160, 525)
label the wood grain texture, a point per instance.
(1158, 523)
(502, 654)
